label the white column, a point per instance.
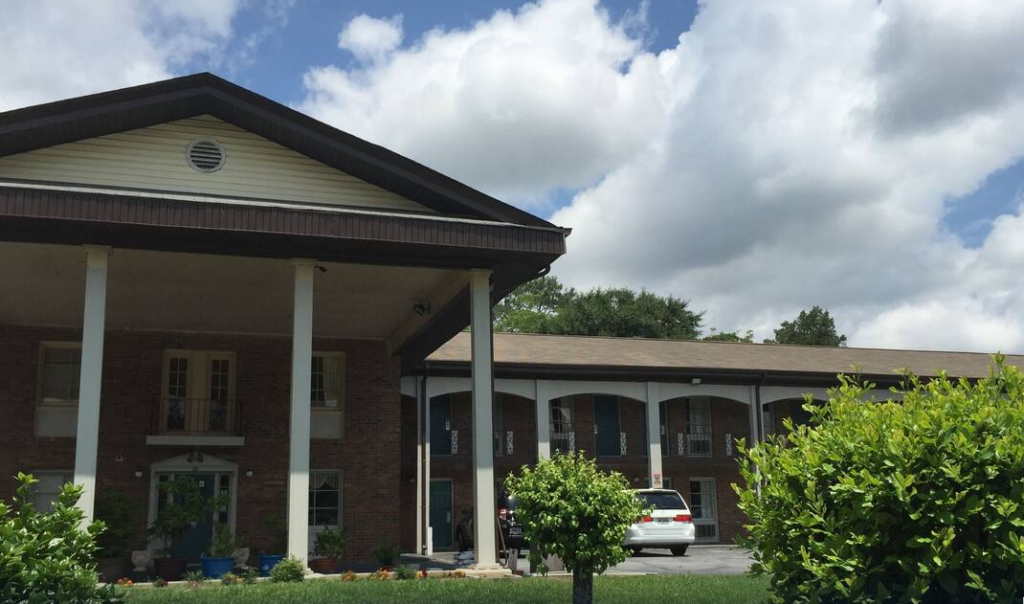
(483, 445)
(428, 537)
(91, 377)
(654, 475)
(543, 421)
(754, 411)
(302, 361)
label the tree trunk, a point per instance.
(582, 587)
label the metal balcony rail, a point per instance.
(179, 415)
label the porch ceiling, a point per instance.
(209, 293)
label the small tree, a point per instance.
(187, 506)
(913, 501)
(572, 510)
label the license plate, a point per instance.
(663, 520)
(515, 530)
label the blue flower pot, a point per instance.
(215, 568)
(269, 561)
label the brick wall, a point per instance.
(367, 455)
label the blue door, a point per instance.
(196, 542)
(606, 425)
(441, 514)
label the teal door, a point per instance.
(196, 542)
(441, 514)
(606, 425)
(441, 425)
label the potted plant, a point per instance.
(184, 508)
(119, 513)
(330, 544)
(387, 554)
(269, 559)
(221, 560)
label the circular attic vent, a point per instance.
(205, 155)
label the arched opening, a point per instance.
(699, 458)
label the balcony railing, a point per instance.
(698, 441)
(196, 416)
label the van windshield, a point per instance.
(662, 501)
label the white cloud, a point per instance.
(371, 39)
(554, 95)
(781, 155)
(53, 50)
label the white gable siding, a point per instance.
(153, 159)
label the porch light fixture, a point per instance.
(195, 456)
(249, 473)
(421, 308)
(139, 473)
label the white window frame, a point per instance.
(316, 529)
(337, 359)
(41, 375)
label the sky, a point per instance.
(754, 158)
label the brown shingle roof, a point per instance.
(583, 351)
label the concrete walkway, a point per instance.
(699, 560)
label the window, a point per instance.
(661, 501)
(441, 425)
(698, 427)
(198, 392)
(325, 498)
(563, 438)
(45, 492)
(767, 419)
(61, 368)
(327, 387)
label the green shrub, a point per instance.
(119, 514)
(250, 575)
(47, 557)
(229, 579)
(331, 543)
(387, 554)
(194, 578)
(571, 509)
(289, 570)
(224, 543)
(405, 572)
(187, 506)
(919, 501)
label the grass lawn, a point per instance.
(619, 590)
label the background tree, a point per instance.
(572, 510)
(545, 306)
(530, 307)
(729, 336)
(813, 327)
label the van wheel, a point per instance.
(679, 550)
(635, 550)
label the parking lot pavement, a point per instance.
(699, 560)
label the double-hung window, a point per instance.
(563, 436)
(60, 371)
(327, 383)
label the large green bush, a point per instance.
(913, 501)
(46, 556)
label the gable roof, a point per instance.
(633, 358)
(105, 113)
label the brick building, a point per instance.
(201, 282)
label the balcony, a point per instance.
(698, 441)
(178, 421)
